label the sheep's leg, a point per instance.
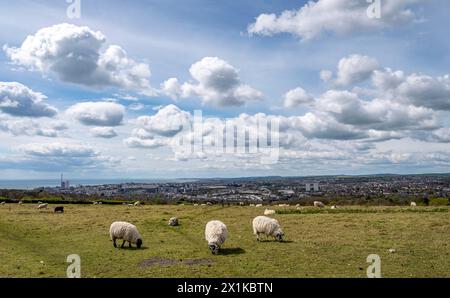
(257, 237)
(123, 244)
(114, 242)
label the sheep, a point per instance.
(413, 204)
(59, 209)
(100, 203)
(334, 207)
(3, 203)
(20, 203)
(126, 232)
(259, 205)
(43, 206)
(136, 204)
(216, 233)
(268, 226)
(95, 203)
(173, 222)
(269, 212)
(319, 204)
(241, 204)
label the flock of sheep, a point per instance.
(216, 231)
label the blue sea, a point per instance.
(32, 184)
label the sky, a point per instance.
(111, 89)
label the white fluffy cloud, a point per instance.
(30, 127)
(74, 54)
(355, 69)
(332, 16)
(19, 100)
(171, 88)
(217, 83)
(103, 132)
(347, 108)
(58, 156)
(297, 97)
(167, 122)
(97, 113)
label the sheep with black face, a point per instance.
(216, 233)
(268, 226)
(125, 231)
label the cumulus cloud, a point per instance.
(30, 127)
(378, 114)
(103, 132)
(171, 88)
(74, 54)
(217, 83)
(167, 122)
(97, 113)
(332, 16)
(19, 100)
(58, 156)
(355, 69)
(297, 97)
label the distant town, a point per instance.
(350, 189)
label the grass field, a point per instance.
(319, 244)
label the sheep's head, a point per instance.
(279, 235)
(214, 248)
(139, 243)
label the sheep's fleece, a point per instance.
(125, 231)
(216, 232)
(266, 225)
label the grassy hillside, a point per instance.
(36, 243)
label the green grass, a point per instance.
(320, 243)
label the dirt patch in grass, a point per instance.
(171, 262)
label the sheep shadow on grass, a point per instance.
(231, 251)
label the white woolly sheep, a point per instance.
(20, 203)
(3, 203)
(126, 232)
(334, 207)
(319, 204)
(43, 206)
(268, 226)
(173, 222)
(269, 212)
(413, 204)
(216, 233)
(137, 204)
(259, 205)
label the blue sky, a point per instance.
(232, 60)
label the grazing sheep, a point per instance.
(252, 205)
(241, 204)
(173, 222)
(195, 204)
(209, 203)
(136, 204)
(269, 212)
(298, 205)
(334, 207)
(20, 203)
(413, 204)
(130, 205)
(95, 203)
(216, 233)
(259, 205)
(319, 204)
(43, 206)
(59, 209)
(126, 232)
(268, 226)
(3, 203)
(100, 203)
